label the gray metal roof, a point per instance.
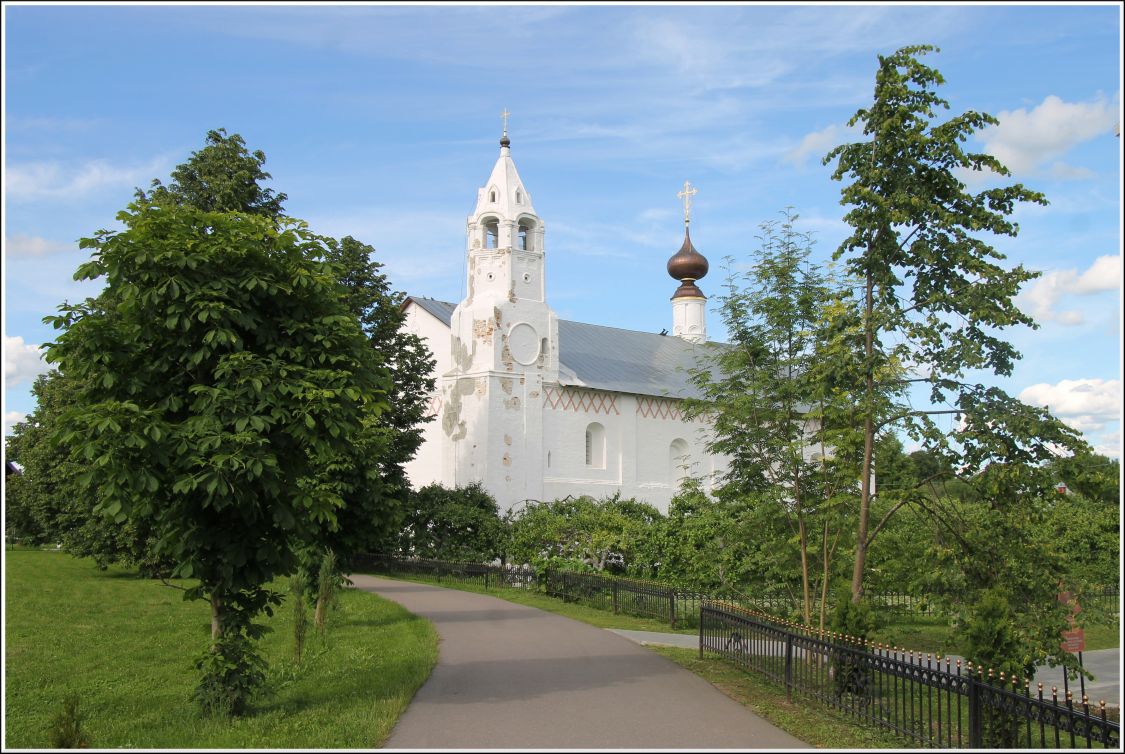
(609, 358)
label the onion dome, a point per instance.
(687, 265)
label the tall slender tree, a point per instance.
(936, 295)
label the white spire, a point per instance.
(504, 194)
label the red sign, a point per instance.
(1073, 639)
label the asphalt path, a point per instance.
(515, 677)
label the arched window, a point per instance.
(548, 459)
(491, 233)
(595, 446)
(492, 196)
(678, 460)
(524, 237)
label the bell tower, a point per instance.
(504, 342)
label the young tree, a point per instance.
(935, 295)
(779, 396)
(222, 385)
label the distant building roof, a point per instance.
(609, 358)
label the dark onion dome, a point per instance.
(688, 289)
(504, 140)
(687, 264)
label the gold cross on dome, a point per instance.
(505, 115)
(688, 192)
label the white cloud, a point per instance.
(1023, 140)
(54, 180)
(23, 362)
(21, 245)
(10, 419)
(1043, 295)
(1085, 404)
(820, 142)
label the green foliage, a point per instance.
(46, 504)
(711, 543)
(226, 398)
(222, 177)
(612, 534)
(462, 523)
(855, 620)
(784, 386)
(231, 672)
(937, 297)
(329, 581)
(66, 726)
(374, 513)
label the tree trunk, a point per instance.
(806, 593)
(824, 579)
(321, 612)
(868, 446)
(216, 620)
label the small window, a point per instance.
(595, 446)
(519, 197)
(523, 237)
(492, 196)
(548, 459)
(678, 460)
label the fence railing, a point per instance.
(482, 574)
(931, 704)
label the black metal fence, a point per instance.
(931, 703)
(481, 574)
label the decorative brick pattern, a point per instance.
(435, 405)
(661, 408)
(580, 401)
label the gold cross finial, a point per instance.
(505, 115)
(688, 192)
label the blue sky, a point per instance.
(382, 121)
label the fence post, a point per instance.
(486, 572)
(701, 609)
(974, 713)
(788, 666)
(615, 585)
(672, 606)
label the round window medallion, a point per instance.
(523, 343)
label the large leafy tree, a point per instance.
(222, 384)
(935, 294)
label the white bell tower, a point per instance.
(504, 342)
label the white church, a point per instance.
(538, 408)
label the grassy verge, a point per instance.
(933, 634)
(815, 725)
(126, 647)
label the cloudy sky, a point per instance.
(382, 121)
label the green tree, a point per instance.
(780, 398)
(935, 294)
(223, 384)
(222, 177)
(462, 523)
(609, 534)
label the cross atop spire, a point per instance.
(688, 192)
(504, 140)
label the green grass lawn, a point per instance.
(126, 646)
(933, 634)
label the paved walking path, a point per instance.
(510, 676)
(1105, 664)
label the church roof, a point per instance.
(609, 358)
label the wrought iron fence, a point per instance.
(930, 703)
